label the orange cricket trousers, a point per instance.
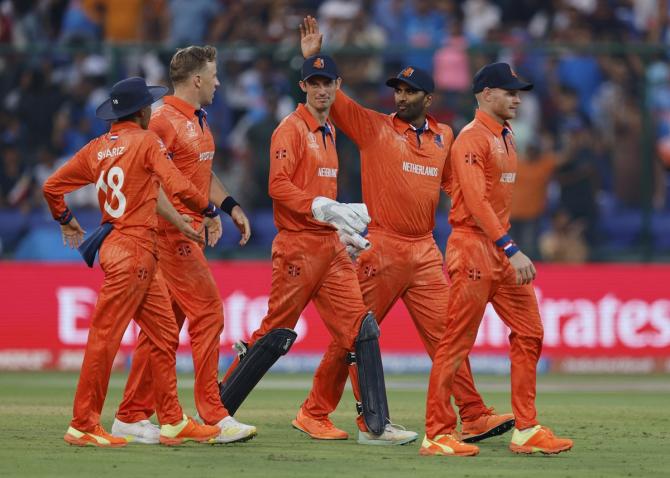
(479, 274)
(130, 289)
(396, 267)
(313, 266)
(194, 295)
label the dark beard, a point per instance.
(411, 113)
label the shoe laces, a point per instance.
(98, 430)
(390, 426)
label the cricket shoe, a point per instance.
(187, 430)
(486, 426)
(538, 439)
(139, 432)
(447, 445)
(98, 437)
(319, 429)
(392, 435)
(233, 431)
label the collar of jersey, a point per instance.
(401, 126)
(490, 123)
(311, 121)
(180, 105)
(121, 125)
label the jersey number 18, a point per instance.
(115, 183)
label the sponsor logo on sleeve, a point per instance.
(508, 177)
(471, 159)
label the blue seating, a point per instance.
(13, 225)
(660, 230)
(45, 244)
(621, 229)
(263, 229)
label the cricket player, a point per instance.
(485, 265)
(126, 166)
(404, 164)
(181, 123)
(308, 260)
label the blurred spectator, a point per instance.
(424, 29)
(120, 24)
(15, 179)
(80, 23)
(529, 202)
(607, 110)
(190, 20)
(578, 179)
(564, 241)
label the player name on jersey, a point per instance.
(419, 169)
(327, 172)
(111, 152)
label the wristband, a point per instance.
(66, 217)
(508, 246)
(210, 211)
(228, 204)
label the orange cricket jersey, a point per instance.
(401, 175)
(303, 165)
(126, 165)
(190, 146)
(484, 171)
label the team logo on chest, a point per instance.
(311, 141)
(499, 145)
(438, 141)
(190, 128)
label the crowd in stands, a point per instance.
(593, 135)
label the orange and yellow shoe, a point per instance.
(187, 430)
(98, 437)
(446, 445)
(486, 426)
(538, 439)
(321, 429)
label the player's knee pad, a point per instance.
(375, 409)
(254, 363)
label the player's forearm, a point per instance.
(217, 191)
(284, 192)
(482, 212)
(351, 118)
(165, 208)
(176, 184)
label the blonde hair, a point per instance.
(190, 60)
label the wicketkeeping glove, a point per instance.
(354, 243)
(351, 220)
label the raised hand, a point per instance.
(73, 234)
(310, 38)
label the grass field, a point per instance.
(620, 426)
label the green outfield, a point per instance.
(620, 426)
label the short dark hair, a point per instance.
(189, 60)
